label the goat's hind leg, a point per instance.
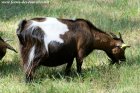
(68, 67)
(29, 71)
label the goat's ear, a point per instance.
(113, 35)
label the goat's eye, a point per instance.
(117, 46)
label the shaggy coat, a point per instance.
(53, 42)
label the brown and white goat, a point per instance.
(53, 42)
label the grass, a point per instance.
(97, 76)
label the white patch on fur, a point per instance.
(31, 56)
(52, 28)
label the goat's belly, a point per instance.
(56, 59)
(52, 62)
(58, 54)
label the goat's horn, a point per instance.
(124, 46)
(120, 35)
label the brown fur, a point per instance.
(81, 39)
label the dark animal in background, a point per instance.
(53, 42)
(3, 47)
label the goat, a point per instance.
(3, 47)
(53, 42)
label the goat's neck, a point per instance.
(102, 41)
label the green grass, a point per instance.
(97, 76)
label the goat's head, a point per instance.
(118, 49)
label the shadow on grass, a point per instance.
(97, 72)
(10, 67)
(106, 73)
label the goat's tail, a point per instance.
(10, 47)
(3, 43)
